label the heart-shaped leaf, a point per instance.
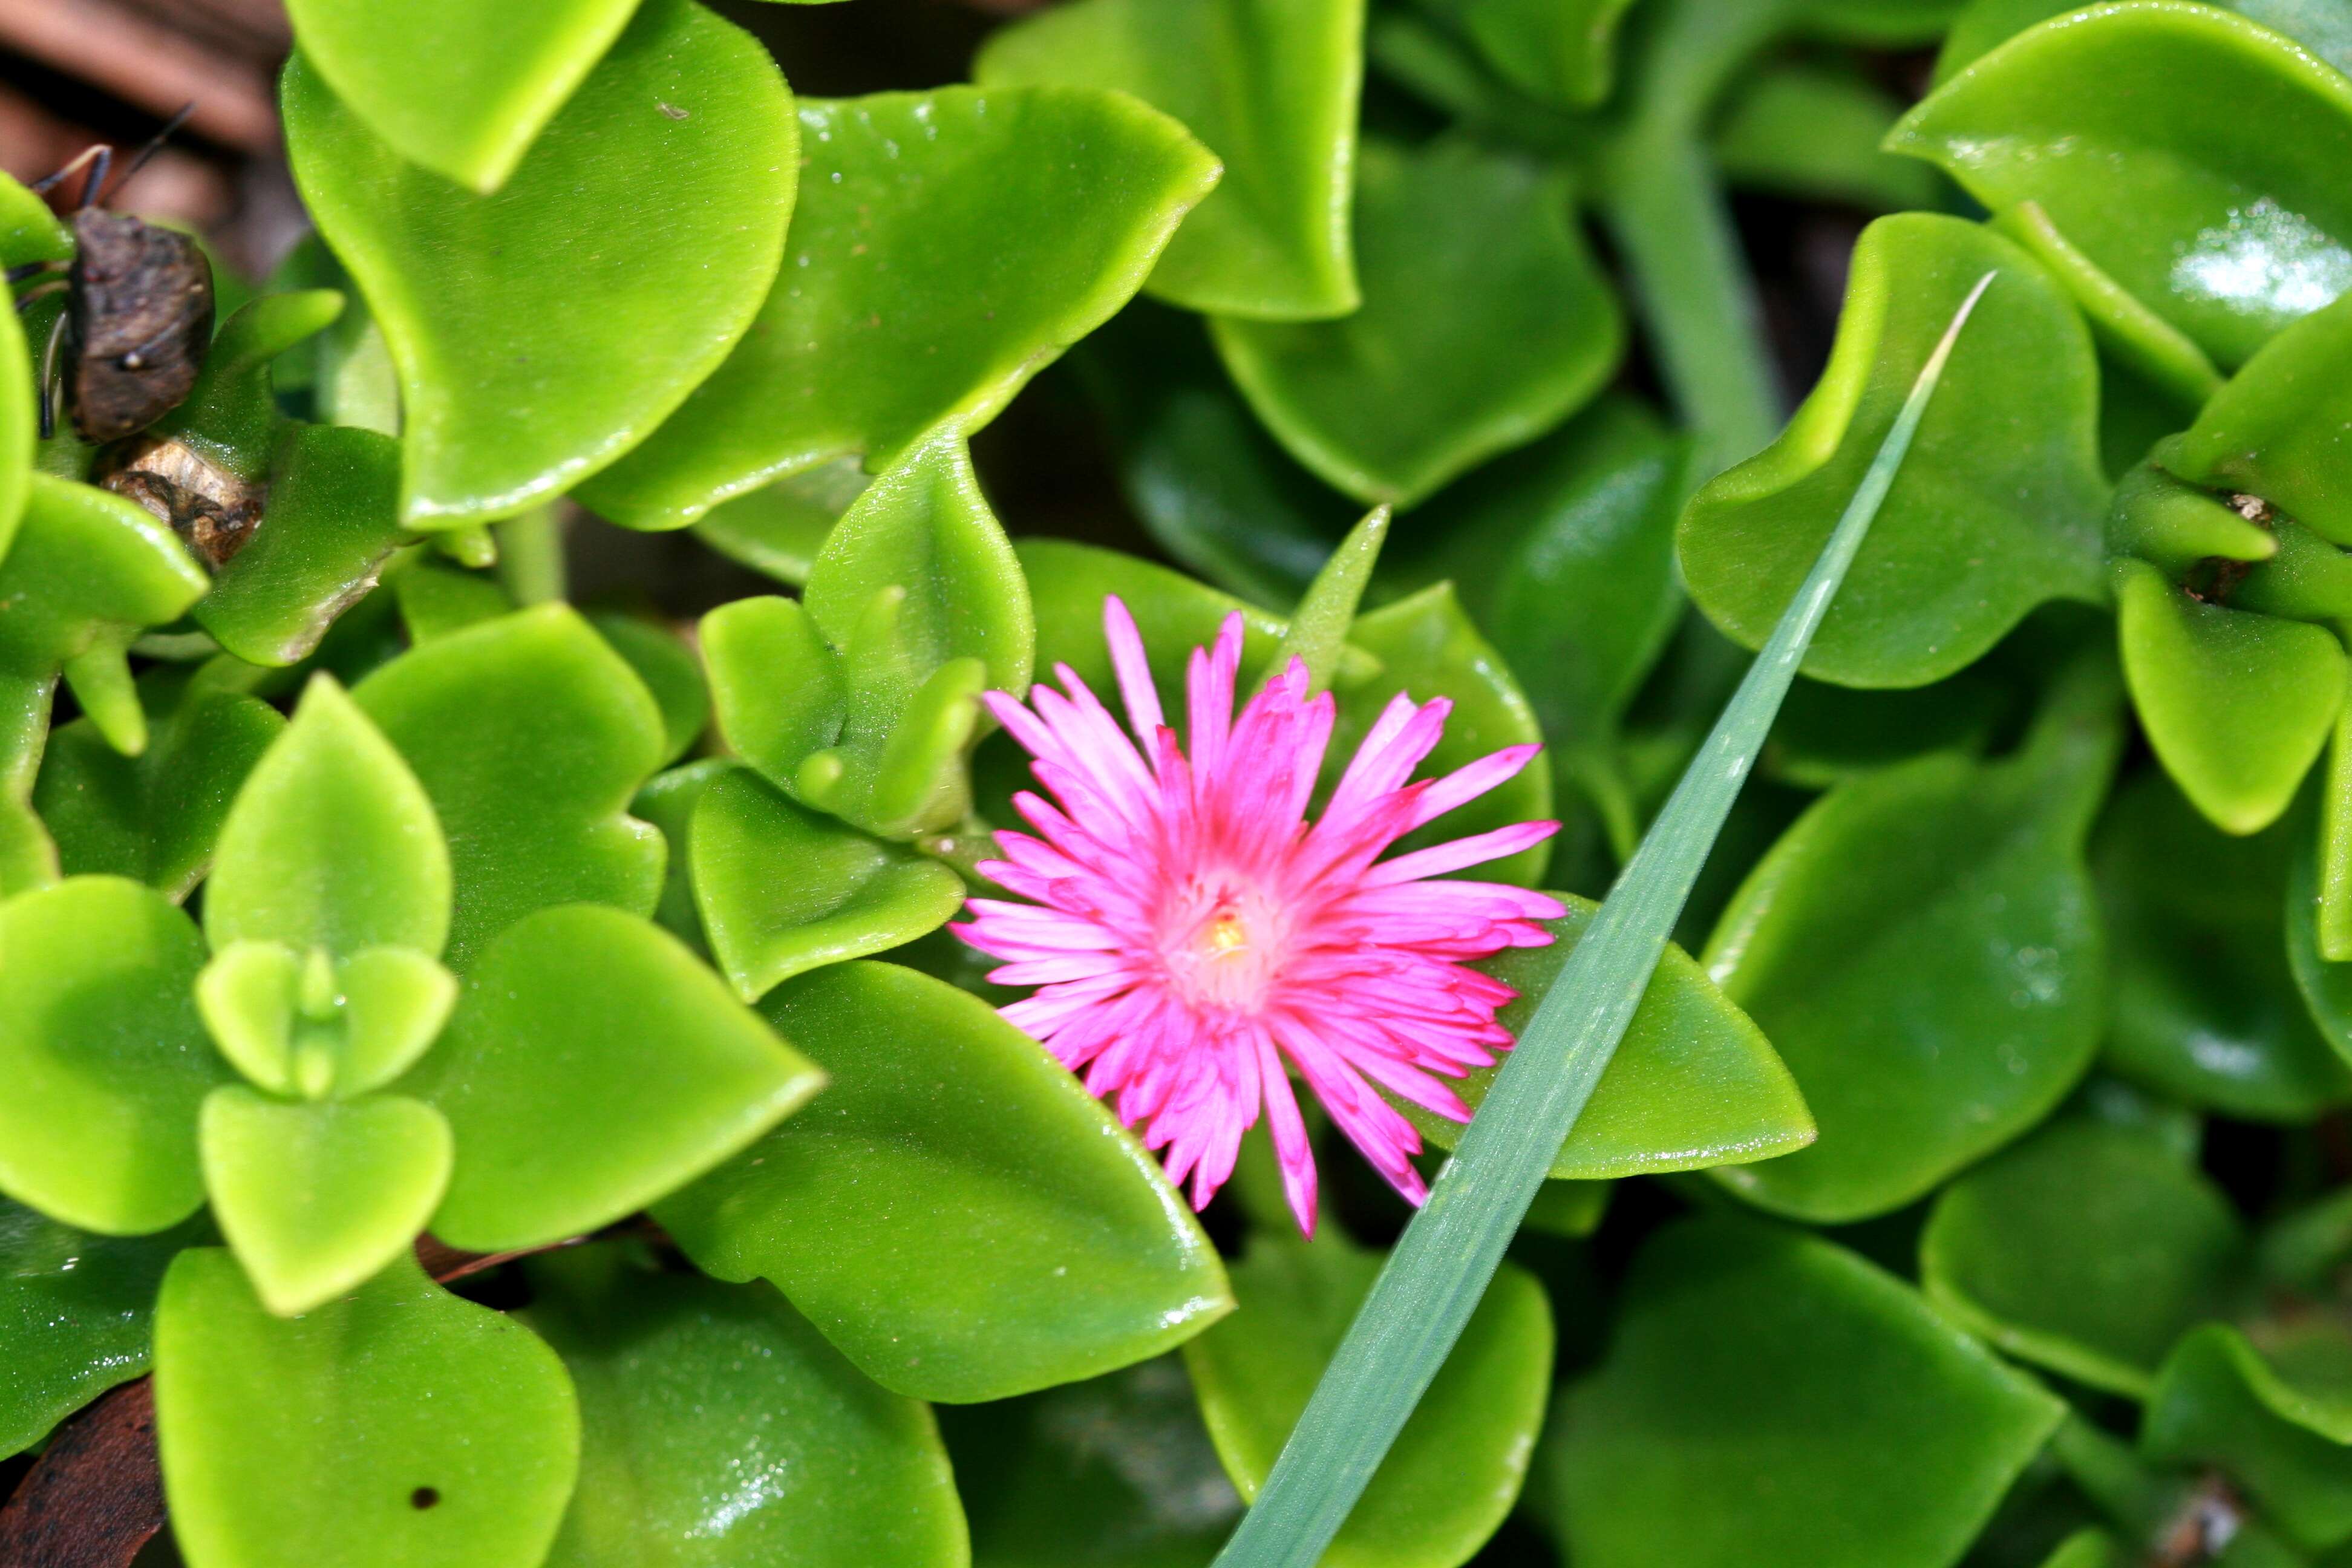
(2089, 1249)
(948, 246)
(1999, 502)
(1923, 949)
(592, 1064)
(951, 1255)
(2277, 1419)
(1457, 1466)
(2226, 231)
(74, 1312)
(529, 733)
(315, 1199)
(1393, 401)
(331, 843)
(103, 1055)
(398, 1427)
(1693, 1083)
(717, 1428)
(442, 89)
(542, 331)
(1270, 87)
(1744, 1352)
(784, 888)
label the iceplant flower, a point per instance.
(1193, 935)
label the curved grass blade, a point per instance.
(1433, 1279)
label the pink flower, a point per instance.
(1192, 932)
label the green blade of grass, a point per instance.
(1433, 1279)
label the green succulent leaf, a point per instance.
(717, 1428)
(1270, 87)
(542, 331)
(668, 800)
(75, 1310)
(2218, 205)
(437, 599)
(948, 246)
(2203, 1008)
(778, 529)
(530, 735)
(2089, 1249)
(19, 416)
(1997, 506)
(1693, 1083)
(316, 1198)
(447, 92)
(1175, 615)
(1391, 402)
(2273, 429)
(315, 1027)
(1923, 949)
(670, 672)
(29, 230)
(103, 1055)
(1457, 1467)
(397, 1427)
(2275, 1413)
(1745, 1352)
(1813, 131)
(1561, 51)
(783, 888)
(332, 842)
(592, 1064)
(952, 1252)
(231, 416)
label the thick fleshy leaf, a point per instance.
(2220, 208)
(1456, 1468)
(1116, 1472)
(592, 1064)
(75, 1310)
(668, 800)
(542, 331)
(19, 420)
(1769, 1398)
(1563, 51)
(2088, 1249)
(1923, 949)
(1175, 615)
(1393, 401)
(1812, 131)
(671, 673)
(444, 91)
(316, 1027)
(1826, 734)
(398, 1427)
(778, 529)
(783, 888)
(718, 1428)
(333, 517)
(1693, 1083)
(2272, 430)
(103, 1055)
(955, 1212)
(947, 247)
(2275, 1412)
(331, 843)
(1270, 87)
(1998, 503)
(153, 817)
(531, 735)
(2203, 1006)
(315, 1199)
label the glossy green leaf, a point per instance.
(783, 888)
(103, 1055)
(592, 1064)
(29, 230)
(331, 843)
(952, 1255)
(1393, 401)
(315, 1027)
(2273, 430)
(1997, 506)
(398, 1427)
(333, 518)
(1692, 1084)
(437, 599)
(2218, 208)
(1812, 133)
(947, 247)
(2089, 1249)
(153, 817)
(19, 416)
(2236, 704)
(231, 417)
(1769, 1398)
(1827, 735)
(1562, 51)
(2276, 1418)
(74, 1315)
(1270, 87)
(2203, 1008)
(446, 91)
(1175, 615)
(668, 800)
(719, 1428)
(1924, 950)
(671, 673)
(529, 733)
(778, 529)
(315, 1199)
(542, 331)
